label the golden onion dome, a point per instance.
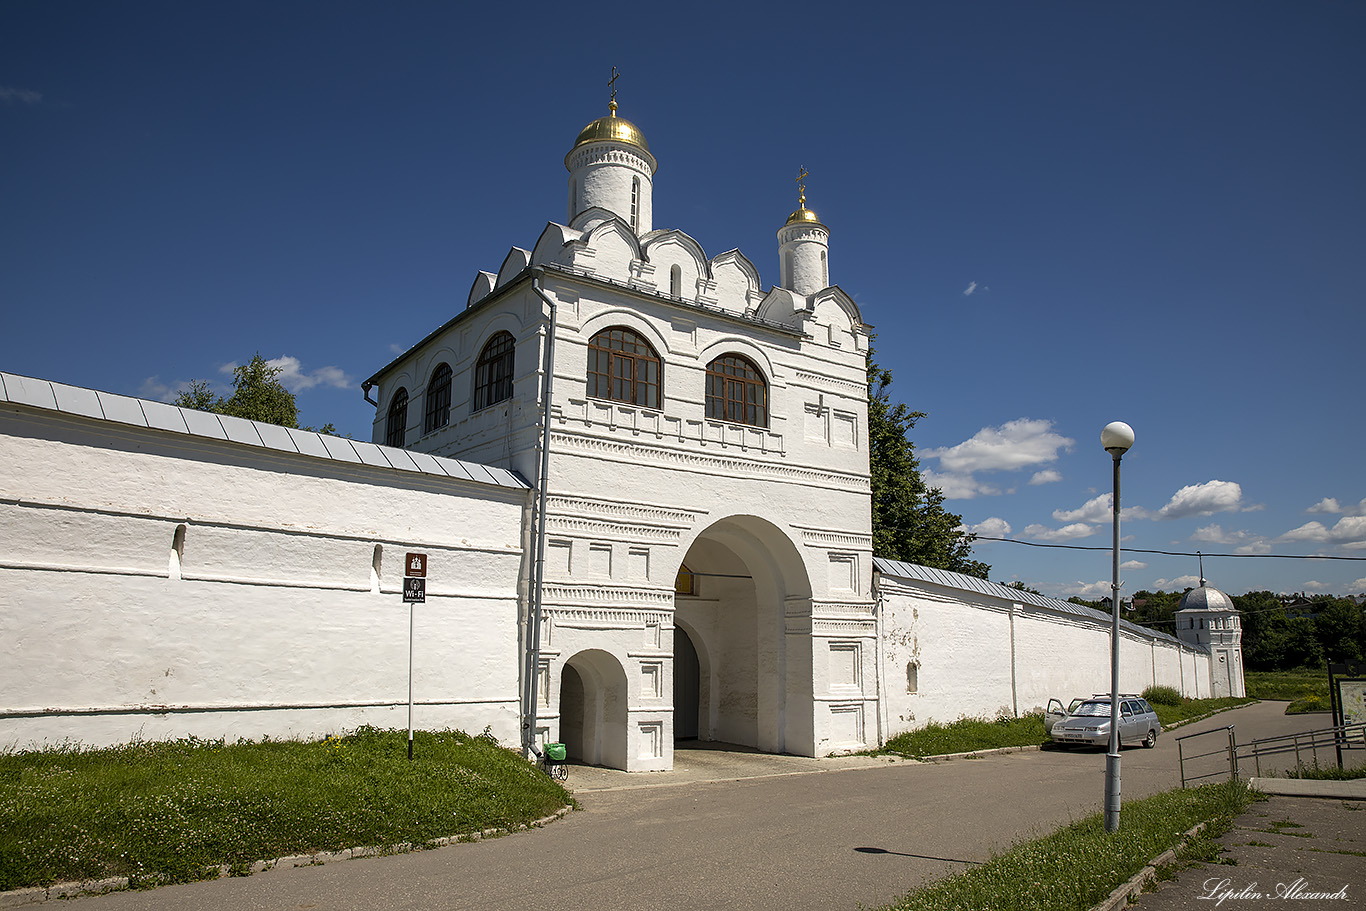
(803, 216)
(612, 128)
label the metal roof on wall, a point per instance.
(122, 409)
(917, 573)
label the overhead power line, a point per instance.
(1172, 553)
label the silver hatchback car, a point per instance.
(1089, 723)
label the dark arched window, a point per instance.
(438, 400)
(493, 371)
(623, 367)
(397, 425)
(736, 391)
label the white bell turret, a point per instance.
(610, 167)
(804, 248)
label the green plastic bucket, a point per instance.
(554, 752)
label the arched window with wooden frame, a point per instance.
(493, 371)
(438, 411)
(736, 391)
(624, 367)
(396, 427)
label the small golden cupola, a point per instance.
(611, 168)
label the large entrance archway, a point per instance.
(747, 613)
(593, 703)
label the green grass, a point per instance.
(1305, 688)
(1172, 715)
(967, 735)
(171, 811)
(1079, 865)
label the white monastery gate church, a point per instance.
(622, 443)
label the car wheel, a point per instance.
(1151, 740)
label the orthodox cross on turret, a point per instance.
(612, 84)
(801, 188)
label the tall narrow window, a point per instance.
(396, 428)
(438, 400)
(376, 568)
(177, 552)
(736, 391)
(624, 368)
(493, 371)
(635, 204)
(676, 281)
(825, 271)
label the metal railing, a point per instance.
(1228, 750)
(1306, 745)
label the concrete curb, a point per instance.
(18, 897)
(1135, 885)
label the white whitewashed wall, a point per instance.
(950, 652)
(275, 610)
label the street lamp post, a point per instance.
(1117, 437)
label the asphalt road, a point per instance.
(711, 837)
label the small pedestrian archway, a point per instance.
(593, 702)
(742, 606)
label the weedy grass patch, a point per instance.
(1079, 865)
(1305, 688)
(969, 734)
(173, 811)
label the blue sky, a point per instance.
(1055, 214)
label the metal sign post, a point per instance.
(414, 592)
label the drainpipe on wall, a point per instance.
(880, 667)
(533, 669)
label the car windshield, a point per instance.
(1093, 708)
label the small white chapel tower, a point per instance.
(1206, 617)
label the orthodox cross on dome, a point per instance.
(801, 188)
(612, 84)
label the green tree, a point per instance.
(1337, 626)
(910, 522)
(258, 395)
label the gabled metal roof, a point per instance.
(916, 573)
(122, 409)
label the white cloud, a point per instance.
(294, 378)
(1331, 506)
(1203, 500)
(1066, 533)
(1359, 585)
(1047, 476)
(10, 95)
(1245, 542)
(971, 288)
(1014, 445)
(959, 487)
(1099, 509)
(1349, 531)
(1309, 531)
(993, 527)
(1089, 591)
(396, 348)
(1133, 564)
(1180, 582)
(1313, 585)
(1096, 509)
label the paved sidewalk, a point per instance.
(1284, 852)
